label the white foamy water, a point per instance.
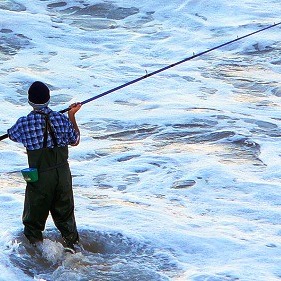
(177, 177)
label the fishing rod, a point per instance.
(165, 68)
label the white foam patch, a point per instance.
(51, 250)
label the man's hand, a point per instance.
(74, 108)
(71, 115)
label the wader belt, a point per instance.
(53, 167)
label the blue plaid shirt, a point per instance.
(29, 130)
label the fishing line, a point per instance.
(164, 68)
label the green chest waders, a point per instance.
(52, 193)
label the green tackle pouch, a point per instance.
(30, 174)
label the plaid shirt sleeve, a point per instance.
(15, 132)
(73, 136)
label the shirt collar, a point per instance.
(46, 110)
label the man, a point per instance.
(46, 135)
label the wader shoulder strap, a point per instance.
(48, 129)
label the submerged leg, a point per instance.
(62, 208)
(35, 213)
